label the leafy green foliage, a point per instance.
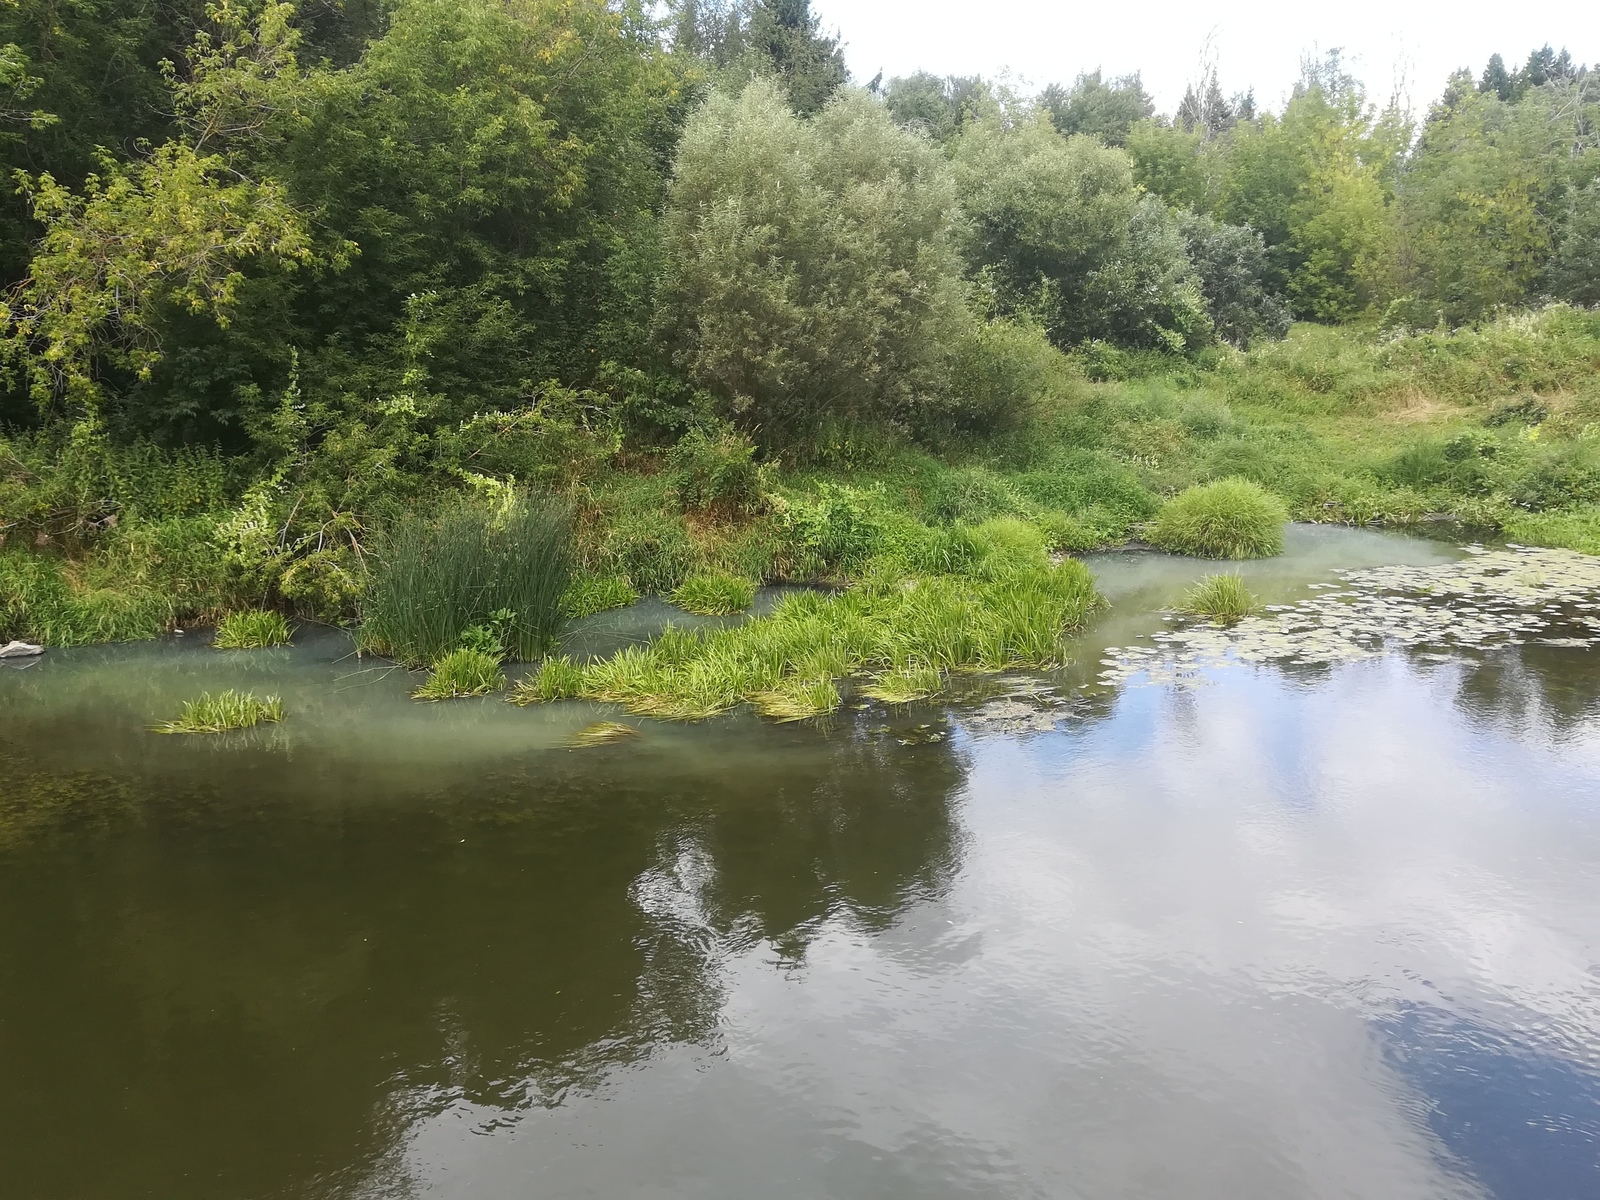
(1232, 518)
(785, 241)
(716, 469)
(251, 629)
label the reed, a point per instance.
(435, 578)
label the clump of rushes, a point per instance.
(1232, 518)
(786, 663)
(1222, 598)
(252, 629)
(905, 684)
(437, 577)
(714, 594)
(463, 672)
(558, 678)
(590, 594)
(223, 712)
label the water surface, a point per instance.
(1307, 933)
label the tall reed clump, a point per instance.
(434, 578)
(1222, 598)
(1232, 518)
(786, 663)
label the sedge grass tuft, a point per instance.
(714, 594)
(1222, 598)
(224, 712)
(905, 684)
(1232, 518)
(558, 678)
(462, 672)
(590, 594)
(251, 629)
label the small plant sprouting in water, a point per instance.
(1222, 598)
(463, 672)
(226, 711)
(251, 629)
(714, 595)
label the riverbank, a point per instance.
(1496, 429)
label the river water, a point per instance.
(1262, 933)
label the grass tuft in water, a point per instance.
(435, 578)
(714, 595)
(558, 678)
(462, 672)
(252, 629)
(223, 712)
(590, 594)
(1232, 518)
(603, 733)
(785, 663)
(905, 684)
(1222, 598)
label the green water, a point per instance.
(1324, 933)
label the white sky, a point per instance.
(1255, 43)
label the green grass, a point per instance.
(714, 594)
(462, 672)
(590, 594)
(1232, 518)
(224, 712)
(558, 678)
(251, 629)
(1222, 598)
(437, 577)
(786, 663)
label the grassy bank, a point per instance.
(1497, 427)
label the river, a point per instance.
(1259, 932)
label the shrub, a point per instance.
(835, 528)
(714, 595)
(1232, 518)
(716, 470)
(1222, 598)
(463, 672)
(590, 594)
(250, 630)
(436, 577)
(221, 713)
(652, 549)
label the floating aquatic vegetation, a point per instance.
(224, 712)
(1491, 598)
(1013, 716)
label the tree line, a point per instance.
(356, 241)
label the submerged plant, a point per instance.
(603, 733)
(714, 594)
(905, 684)
(251, 629)
(223, 712)
(463, 672)
(436, 578)
(1232, 518)
(1222, 598)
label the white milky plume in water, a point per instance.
(1491, 599)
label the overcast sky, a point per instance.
(1255, 43)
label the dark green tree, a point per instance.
(1106, 109)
